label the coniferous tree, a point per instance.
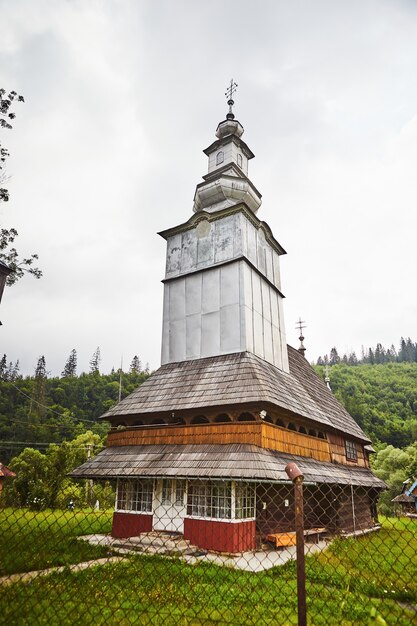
(136, 365)
(353, 359)
(95, 362)
(39, 387)
(3, 367)
(70, 369)
(334, 357)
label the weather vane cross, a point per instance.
(300, 326)
(231, 90)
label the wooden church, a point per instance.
(200, 447)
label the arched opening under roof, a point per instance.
(180, 421)
(199, 419)
(223, 417)
(246, 417)
(302, 430)
(268, 419)
(312, 432)
(279, 422)
(137, 423)
(158, 420)
(321, 435)
(292, 426)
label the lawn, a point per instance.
(371, 580)
(31, 540)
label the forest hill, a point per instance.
(407, 353)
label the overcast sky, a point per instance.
(121, 99)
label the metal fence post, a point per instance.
(294, 473)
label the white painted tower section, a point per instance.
(222, 288)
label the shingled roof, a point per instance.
(239, 378)
(222, 461)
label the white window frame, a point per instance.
(137, 496)
(210, 504)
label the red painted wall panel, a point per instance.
(130, 525)
(220, 536)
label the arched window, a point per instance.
(321, 435)
(292, 426)
(157, 421)
(246, 417)
(219, 157)
(268, 419)
(179, 421)
(223, 417)
(200, 419)
(302, 430)
(312, 433)
(279, 422)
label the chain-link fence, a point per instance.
(177, 551)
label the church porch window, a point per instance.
(134, 495)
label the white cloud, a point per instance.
(121, 99)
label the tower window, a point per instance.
(239, 160)
(219, 157)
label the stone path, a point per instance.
(77, 567)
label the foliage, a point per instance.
(362, 581)
(32, 540)
(407, 352)
(41, 478)
(10, 256)
(43, 410)
(394, 466)
(381, 398)
(95, 362)
(8, 253)
(70, 369)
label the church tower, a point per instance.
(222, 287)
(200, 448)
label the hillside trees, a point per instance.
(67, 405)
(381, 398)
(394, 466)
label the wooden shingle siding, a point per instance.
(238, 379)
(260, 434)
(210, 461)
(338, 451)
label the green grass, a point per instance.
(31, 540)
(371, 580)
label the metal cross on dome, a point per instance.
(300, 326)
(229, 95)
(231, 90)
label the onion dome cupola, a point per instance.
(227, 182)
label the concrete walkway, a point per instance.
(169, 546)
(77, 567)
